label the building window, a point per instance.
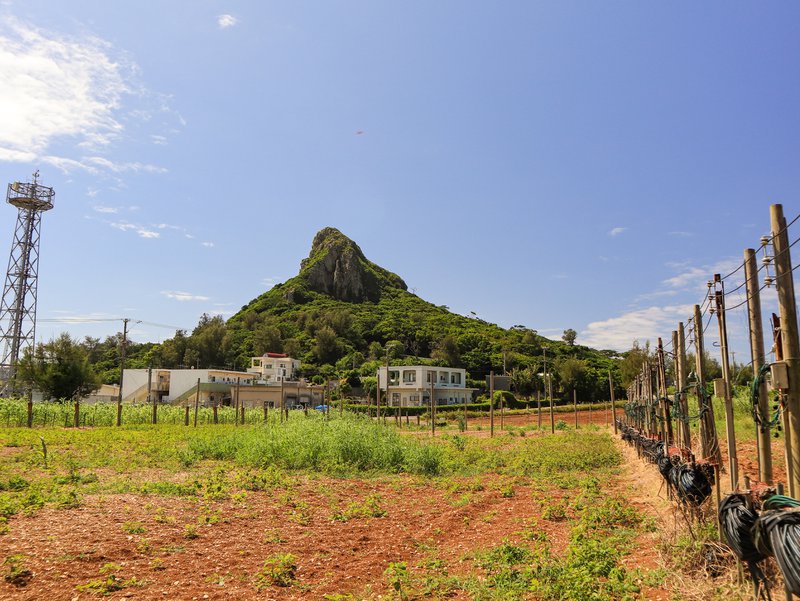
(409, 376)
(455, 378)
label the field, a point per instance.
(338, 508)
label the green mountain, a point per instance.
(342, 311)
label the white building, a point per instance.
(411, 385)
(167, 385)
(274, 367)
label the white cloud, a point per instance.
(225, 21)
(102, 209)
(617, 231)
(132, 227)
(159, 140)
(183, 296)
(54, 86)
(67, 91)
(692, 277)
(207, 244)
(618, 333)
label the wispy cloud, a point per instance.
(618, 333)
(133, 227)
(225, 21)
(183, 296)
(692, 276)
(617, 231)
(207, 244)
(68, 91)
(103, 209)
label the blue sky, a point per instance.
(579, 165)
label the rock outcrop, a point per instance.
(337, 267)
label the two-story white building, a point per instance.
(274, 367)
(411, 385)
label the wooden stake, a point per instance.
(784, 282)
(575, 405)
(708, 429)
(613, 405)
(681, 374)
(491, 404)
(730, 433)
(196, 402)
(666, 417)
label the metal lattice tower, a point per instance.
(18, 306)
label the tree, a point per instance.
(524, 382)
(632, 362)
(60, 369)
(569, 336)
(572, 372)
(326, 348)
(446, 352)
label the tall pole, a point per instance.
(730, 433)
(789, 341)
(758, 360)
(122, 368)
(681, 375)
(491, 403)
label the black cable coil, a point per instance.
(777, 533)
(737, 521)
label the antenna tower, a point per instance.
(18, 306)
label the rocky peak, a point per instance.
(337, 267)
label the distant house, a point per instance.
(215, 387)
(411, 385)
(274, 367)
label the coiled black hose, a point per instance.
(692, 485)
(777, 533)
(737, 520)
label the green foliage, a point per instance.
(368, 508)
(278, 570)
(59, 368)
(16, 572)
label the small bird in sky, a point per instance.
(359, 132)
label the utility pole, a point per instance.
(790, 342)
(681, 376)
(759, 359)
(122, 368)
(719, 302)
